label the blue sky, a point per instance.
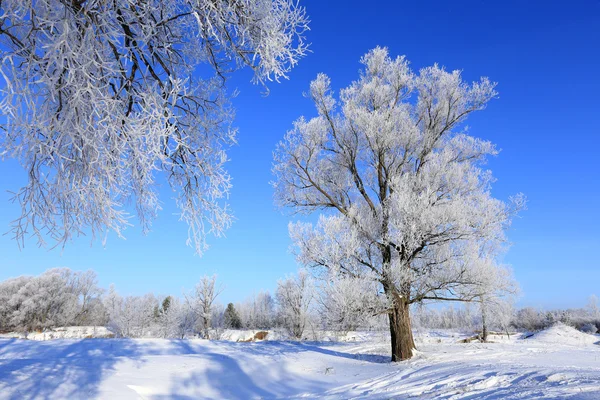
(545, 57)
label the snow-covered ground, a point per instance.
(557, 363)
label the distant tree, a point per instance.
(593, 308)
(58, 297)
(294, 296)
(131, 316)
(231, 317)
(202, 301)
(98, 97)
(406, 199)
(9, 290)
(217, 321)
(497, 291)
(529, 319)
(257, 311)
(85, 284)
(347, 303)
(263, 310)
(166, 304)
(182, 318)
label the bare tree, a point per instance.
(202, 301)
(86, 286)
(257, 311)
(294, 297)
(497, 292)
(99, 97)
(405, 196)
(592, 307)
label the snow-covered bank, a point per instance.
(68, 332)
(563, 334)
(199, 369)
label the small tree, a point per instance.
(294, 297)
(408, 202)
(202, 301)
(592, 307)
(496, 294)
(166, 304)
(184, 318)
(257, 311)
(231, 318)
(85, 284)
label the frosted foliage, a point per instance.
(58, 297)
(100, 98)
(404, 196)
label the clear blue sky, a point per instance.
(546, 58)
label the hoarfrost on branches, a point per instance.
(100, 97)
(401, 186)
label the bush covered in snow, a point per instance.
(58, 297)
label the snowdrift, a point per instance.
(564, 334)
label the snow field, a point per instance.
(548, 365)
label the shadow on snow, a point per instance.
(74, 369)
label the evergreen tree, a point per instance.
(166, 304)
(232, 319)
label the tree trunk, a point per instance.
(400, 329)
(484, 330)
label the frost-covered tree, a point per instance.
(85, 284)
(264, 308)
(347, 303)
(258, 311)
(9, 289)
(529, 319)
(497, 291)
(202, 302)
(400, 184)
(58, 297)
(217, 321)
(100, 97)
(131, 316)
(592, 307)
(295, 295)
(177, 319)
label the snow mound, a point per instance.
(72, 332)
(437, 336)
(564, 334)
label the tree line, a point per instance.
(302, 306)
(60, 297)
